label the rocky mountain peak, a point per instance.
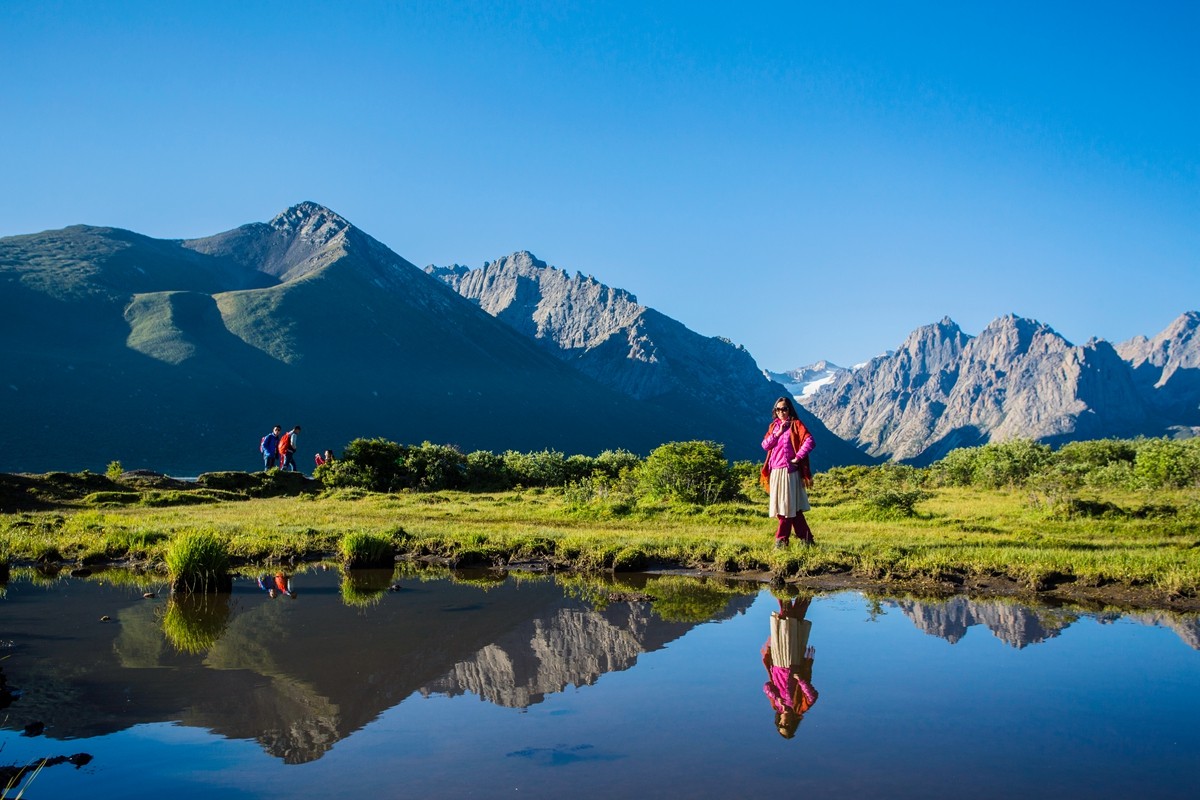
(1018, 378)
(522, 263)
(1168, 367)
(310, 221)
(565, 312)
(606, 334)
(1016, 336)
(927, 349)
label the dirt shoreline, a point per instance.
(1065, 593)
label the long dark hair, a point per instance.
(788, 402)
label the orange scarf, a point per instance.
(798, 434)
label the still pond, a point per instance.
(406, 685)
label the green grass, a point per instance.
(953, 533)
(364, 549)
(197, 561)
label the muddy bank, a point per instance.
(1064, 593)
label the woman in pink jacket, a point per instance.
(786, 472)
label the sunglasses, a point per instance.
(781, 408)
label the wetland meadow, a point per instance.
(340, 639)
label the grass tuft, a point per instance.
(198, 561)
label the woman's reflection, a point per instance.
(789, 662)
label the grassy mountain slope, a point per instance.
(179, 355)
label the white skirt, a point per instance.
(789, 640)
(788, 497)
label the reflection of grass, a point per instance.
(674, 598)
(959, 532)
(365, 587)
(193, 623)
(479, 578)
(680, 599)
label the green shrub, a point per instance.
(615, 462)
(746, 479)
(994, 465)
(694, 472)
(578, 467)
(432, 467)
(843, 479)
(345, 474)
(1096, 454)
(486, 472)
(543, 468)
(1117, 475)
(376, 465)
(1167, 463)
(891, 502)
(958, 467)
(114, 470)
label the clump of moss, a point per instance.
(112, 498)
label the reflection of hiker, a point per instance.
(269, 447)
(280, 584)
(324, 459)
(789, 663)
(287, 449)
(786, 472)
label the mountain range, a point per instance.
(178, 355)
(943, 389)
(634, 350)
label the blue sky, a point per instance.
(811, 180)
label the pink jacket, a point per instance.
(778, 445)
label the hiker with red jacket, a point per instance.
(287, 449)
(269, 447)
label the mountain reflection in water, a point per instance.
(1020, 625)
(356, 680)
(300, 673)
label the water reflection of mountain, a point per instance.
(571, 647)
(1020, 625)
(1013, 623)
(299, 675)
(1186, 627)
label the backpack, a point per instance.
(262, 445)
(285, 443)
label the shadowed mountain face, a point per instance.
(179, 355)
(636, 351)
(1018, 379)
